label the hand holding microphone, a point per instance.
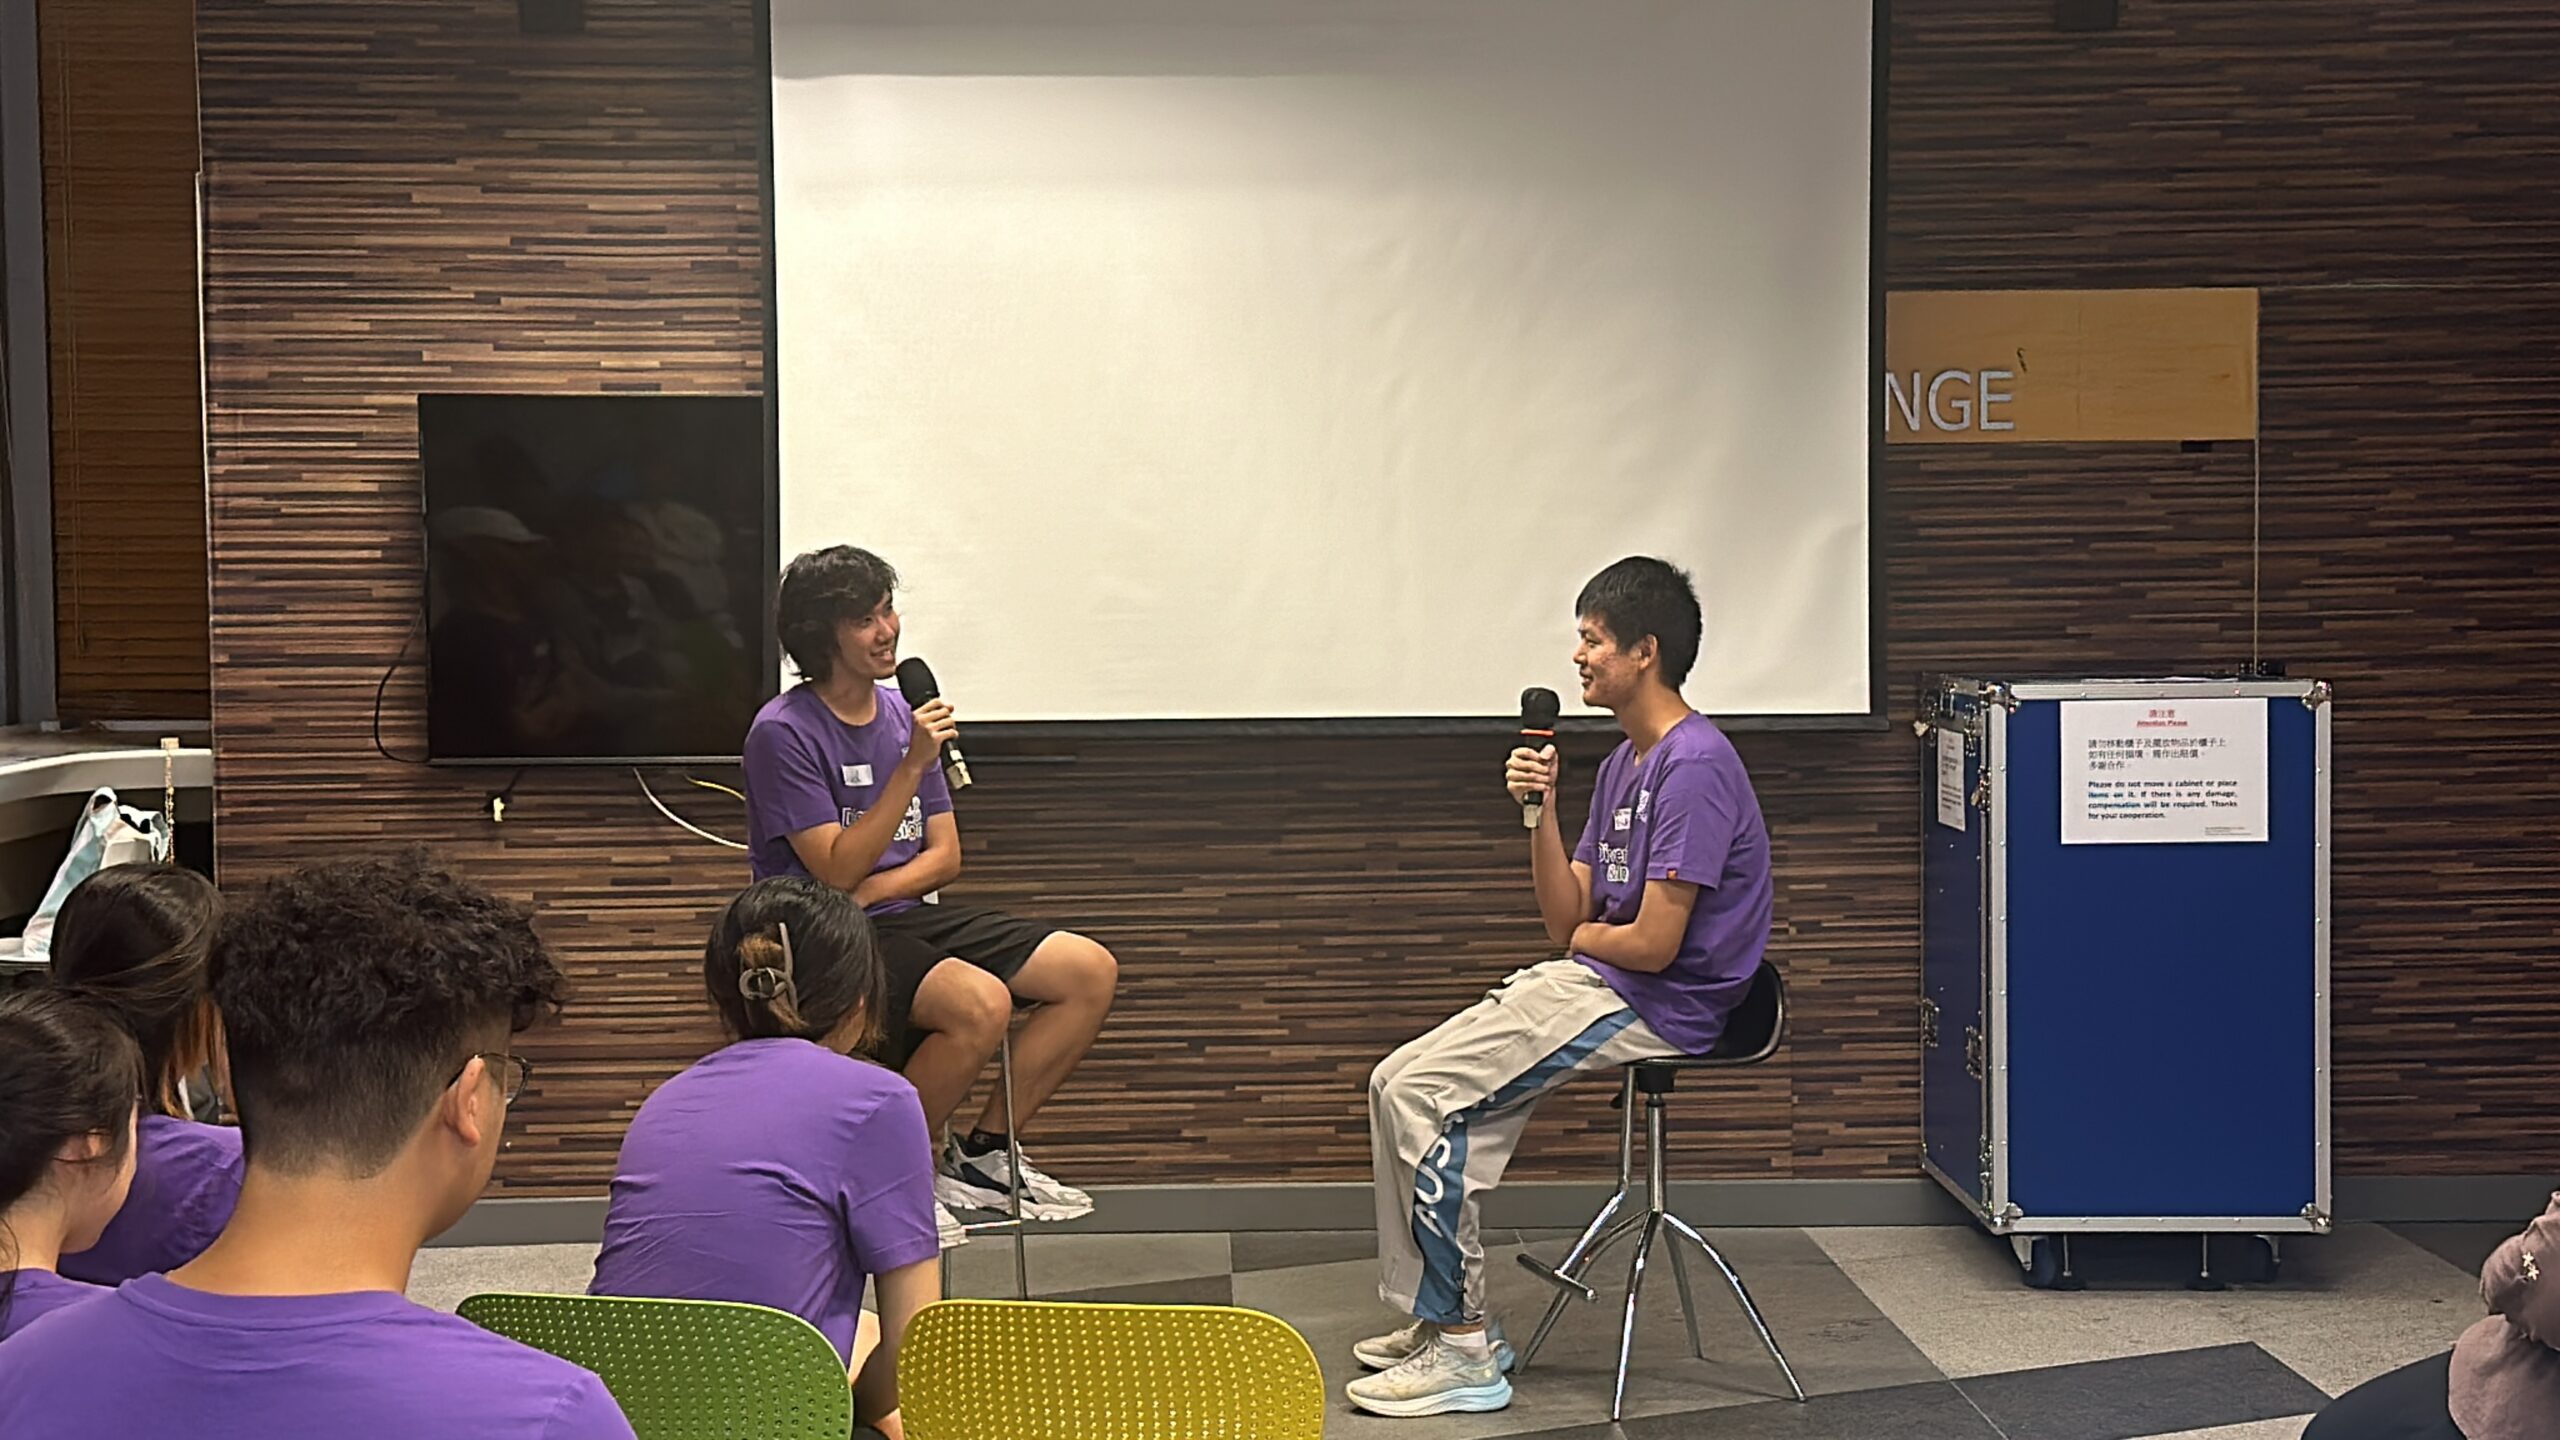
(936, 729)
(1535, 770)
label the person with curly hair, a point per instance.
(370, 1009)
(137, 940)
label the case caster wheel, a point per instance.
(2257, 1261)
(2235, 1260)
(2047, 1261)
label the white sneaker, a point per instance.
(947, 1226)
(985, 1182)
(1436, 1379)
(1384, 1352)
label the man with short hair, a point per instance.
(844, 785)
(1663, 910)
(369, 1009)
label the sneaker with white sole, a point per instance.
(985, 1182)
(1384, 1352)
(946, 1226)
(1436, 1379)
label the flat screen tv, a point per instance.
(598, 569)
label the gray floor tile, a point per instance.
(983, 1268)
(2288, 1428)
(2338, 1345)
(2142, 1396)
(1877, 1242)
(1335, 1305)
(1206, 1290)
(2355, 1304)
(1934, 1411)
(2463, 1245)
(1835, 1338)
(445, 1278)
(2035, 1330)
(2350, 1305)
(1279, 1249)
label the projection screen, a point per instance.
(1244, 360)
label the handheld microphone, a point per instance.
(915, 681)
(1538, 710)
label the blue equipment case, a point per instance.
(2122, 1037)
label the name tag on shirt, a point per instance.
(1625, 818)
(857, 775)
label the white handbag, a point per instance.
(108, 834)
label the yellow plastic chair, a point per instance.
(1049, 1370)
(688, 1369)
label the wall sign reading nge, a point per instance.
(2070, 365)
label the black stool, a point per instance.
(1752, 1034)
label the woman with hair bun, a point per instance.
(136, 940)
(785, 1169)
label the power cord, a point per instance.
(738, 795)
(499, 800)
(681, 822)
(416, 627)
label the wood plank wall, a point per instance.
(414, 196)
(117, 86)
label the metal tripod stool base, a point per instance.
(1648, 1226)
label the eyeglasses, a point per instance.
(514, 1072)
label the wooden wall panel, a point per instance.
(117, 84)
(413, 196)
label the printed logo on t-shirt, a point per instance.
(1613, 860)
(910, 825)
(1624, 817)
(1644, 803)
(857, 776)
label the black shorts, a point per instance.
(914, 940)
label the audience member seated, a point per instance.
(779, 1170)
(369, 1009)
(69, 1079)
(2501, 1380)
(134, 939)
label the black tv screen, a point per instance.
(597, 573)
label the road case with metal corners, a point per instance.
(2124, 1013)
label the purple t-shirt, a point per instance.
(775, 1173)
(1686, 813)
(34, 1294)
(155, 1358)
(186, 1178)
(806, 767)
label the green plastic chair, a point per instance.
(688, 1369)
(1050, 1370)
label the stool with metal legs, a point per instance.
(1013, 1220)
(1752, 1035)
(1013, 1156)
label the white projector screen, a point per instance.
(1291, 359)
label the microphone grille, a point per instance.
(1539, 708)
(915, 681)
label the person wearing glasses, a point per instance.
(780, 1170)
(370, 1010)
